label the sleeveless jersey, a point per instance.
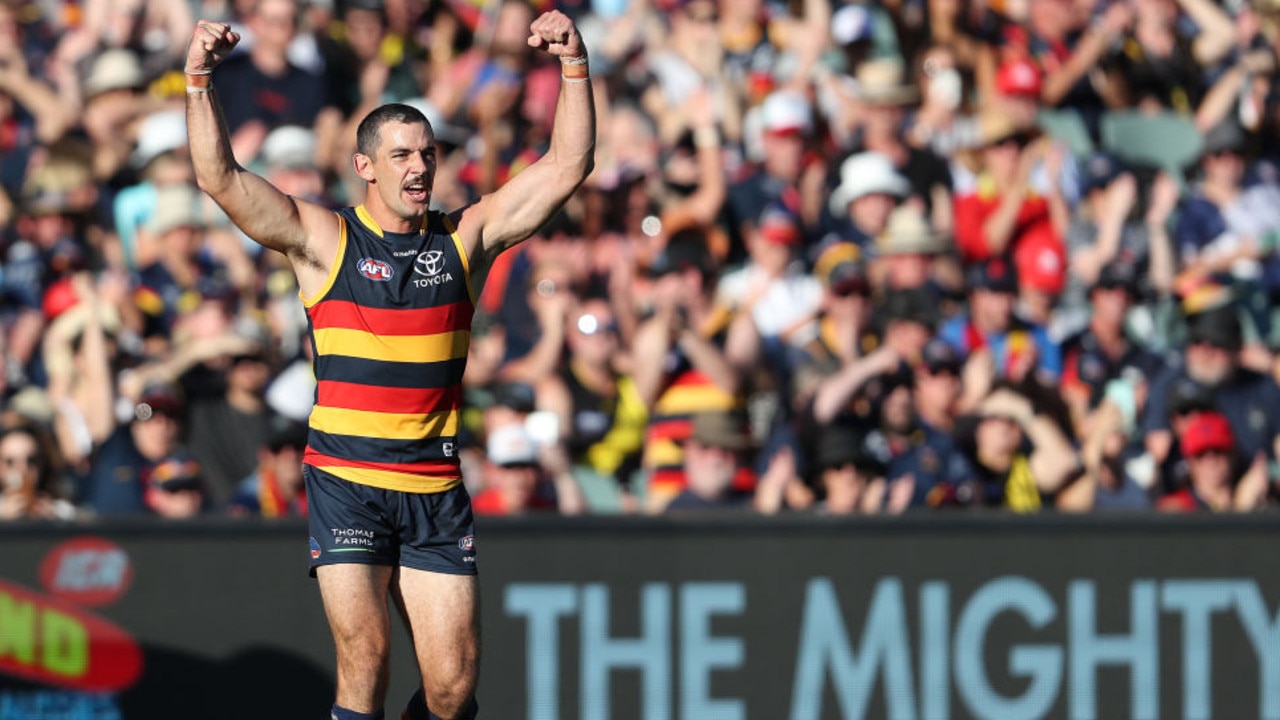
(390, 330)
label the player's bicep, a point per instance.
(269, 217)
(519, 208)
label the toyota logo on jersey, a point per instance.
(429, 263)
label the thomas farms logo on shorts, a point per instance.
(468, 543)
(315, 549)
(375, 269)
(353, 538)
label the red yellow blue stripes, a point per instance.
(390, 357)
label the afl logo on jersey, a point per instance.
(375, 269)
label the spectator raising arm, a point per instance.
(1217, 35)
(835, 392)
(81, 385)
(51, 115)
(1222, 99)
(1053, 460)
(1095, 44)
(1164, 198)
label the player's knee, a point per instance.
(363, 651)
(451, 701)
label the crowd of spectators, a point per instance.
(835, 257)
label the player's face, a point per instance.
(404, 168)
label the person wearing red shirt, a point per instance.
(1011, 199)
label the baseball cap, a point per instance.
(786, 112)
(842, 444)
(1117, 276)
(779, 225)
(1206, 432)
(159, 133)
(1041, 262)
(60, 297)
(177, 471)
(289, 147)
(1226, 136)
(839, 268)
(511, 446)
(1099, 170)
(941, 356)
(1018, 77)
(851, 24)
(1219, 327)
(994, 275)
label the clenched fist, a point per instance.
(555, 33)
(210, 44)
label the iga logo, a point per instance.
(87, 570)
(375, 269)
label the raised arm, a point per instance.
(521, 206)
(305, 232)
(51, 115)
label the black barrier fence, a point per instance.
(928, 618)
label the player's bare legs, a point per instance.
(444, 621)
(355, 601)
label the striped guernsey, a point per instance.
(390, 330)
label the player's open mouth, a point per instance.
(416, 192)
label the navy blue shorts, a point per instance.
(354, 523)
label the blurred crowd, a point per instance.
(835, 257)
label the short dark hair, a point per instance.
(371, 125)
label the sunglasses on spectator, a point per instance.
(850, 288)
(15, 460)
